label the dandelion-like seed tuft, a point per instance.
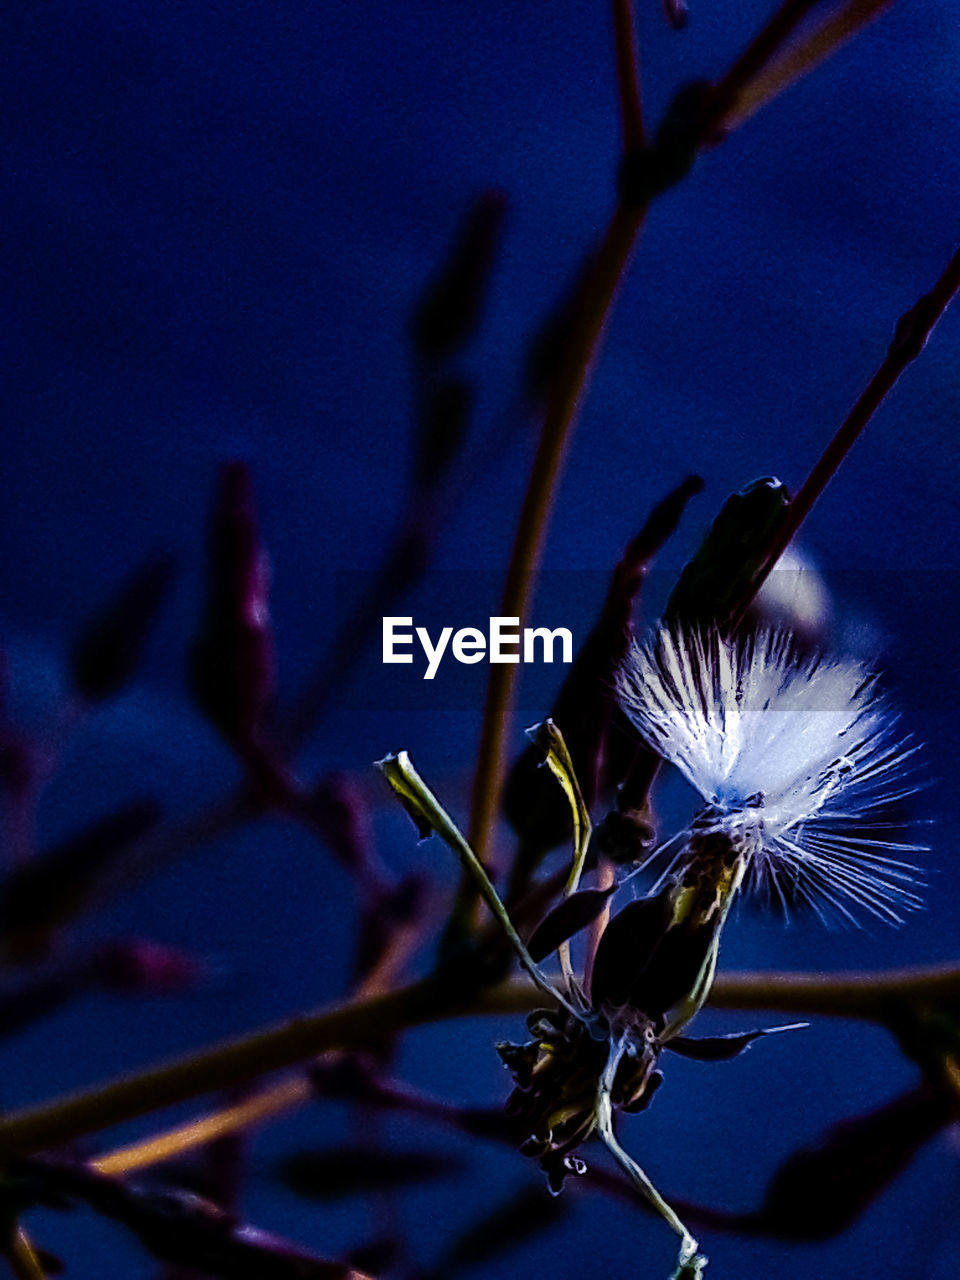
(799, 762)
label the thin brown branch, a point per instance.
(761, 49)
(257, 1109)
(869, 996)
(23, 1258)
(230, 1063)
(562, 413)
(799, 60)
(628, 75)
(911, 334)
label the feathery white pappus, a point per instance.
(798, 759)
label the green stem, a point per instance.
(427, 810)
(690, 1262)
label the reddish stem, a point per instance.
(628, 75)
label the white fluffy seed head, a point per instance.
(797, 758)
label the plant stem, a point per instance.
(23, 1259)
(604, 1118)
(628, 75)
(563, 411)
(913, 329)
(229, 1063)
(262, 1106)
(769, 81)
(759, 52)
(848, 995)
(868, 996)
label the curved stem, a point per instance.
(689, 1262)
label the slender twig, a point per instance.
(912, 331)
(689, 1262)
(628, 75)
(23, 1258)
(230, 1063)
(797, 61)
(951, 1074)
(758, 53)
(868, 996)
(417, 796)
(257, 1109)
(560, 419)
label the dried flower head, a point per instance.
(797, 758)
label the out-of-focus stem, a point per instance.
(23, 1259)
(799, 60)
(869, 996)
(951, 1074)
(759, 52)
(254, 1110)
(628, 75)
(230, 1063)
(563, 411)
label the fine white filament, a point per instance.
(797, 758)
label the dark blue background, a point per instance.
(216, 221)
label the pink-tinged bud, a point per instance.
(142, 965)
(232, 662)
(111, 644)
